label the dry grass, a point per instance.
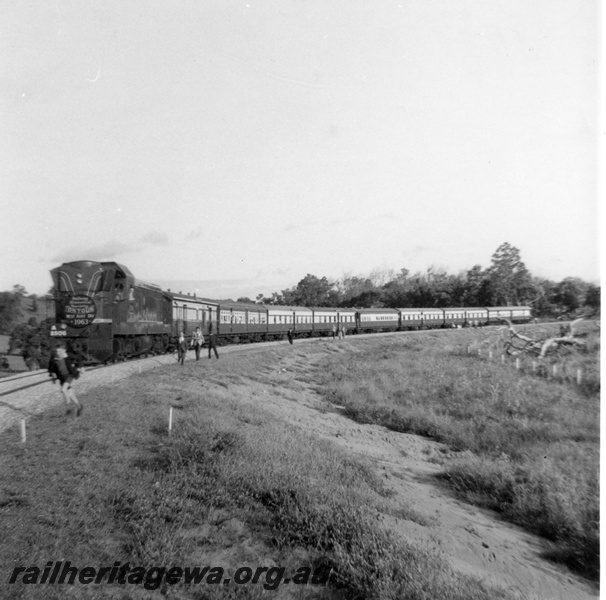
(529, 446)
(230, 486)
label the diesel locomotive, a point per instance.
(103, 313)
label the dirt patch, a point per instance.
(473, 540)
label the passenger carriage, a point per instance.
(516, 314)
(377, 319)
(476, 317)
(190, 312)
(432, 318)
(279, 320)
(410, 318)
(303, 321)
(283, 318)
(347, 318)
(241, 320)
(454, 317)
(521, 314)
(324, 319)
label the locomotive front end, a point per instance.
(81, 294)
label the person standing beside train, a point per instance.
(181, 348)
(212, 341)
(63, 368)
(196, 342)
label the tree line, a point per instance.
(23, 318)
(506, 282)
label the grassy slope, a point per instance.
(529, 447)
(231, 486)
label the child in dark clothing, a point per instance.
(63, 368)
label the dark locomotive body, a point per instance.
(104, 313)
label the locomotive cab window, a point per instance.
(118, 291)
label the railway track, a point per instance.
(27, 394)
(22, 381)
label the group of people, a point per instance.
(339, 331)
(65, 368)
(197, 341)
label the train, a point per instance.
(103, 313)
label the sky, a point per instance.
(236, 146)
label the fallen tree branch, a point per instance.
(568, 340)
(540, 347)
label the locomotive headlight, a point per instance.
(78, 277)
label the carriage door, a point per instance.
(178, 319)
